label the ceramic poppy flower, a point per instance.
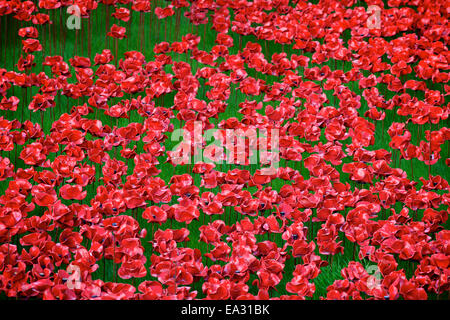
(117, 32)
(122, 14)
(31, 45)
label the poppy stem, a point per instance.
(165, 29)
(106, 24)
(157, 23)
(9, 239)
(139, 33)
(63, 41)
(354, 250)
(150, 27)
(117, 52)
(185, 241)
(331, 262)
(429, 161)
(54, 31)
(129, 22)
(204, 37)
(114, 257)
(4, 44)
(177, 23)
(107, 20)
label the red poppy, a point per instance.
(117, 32)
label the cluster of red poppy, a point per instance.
(69, 199)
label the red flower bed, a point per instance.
(327, 178)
